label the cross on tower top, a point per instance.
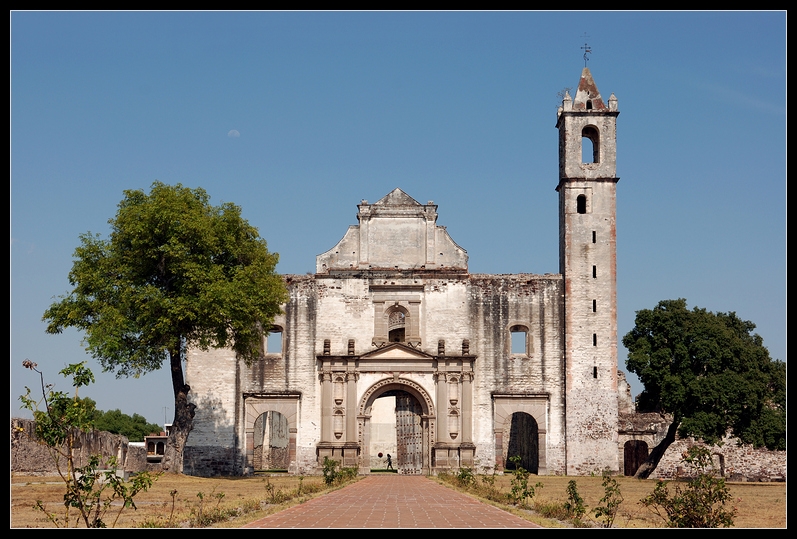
(586, 48)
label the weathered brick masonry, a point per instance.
(479, 368)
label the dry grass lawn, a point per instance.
(760, 505)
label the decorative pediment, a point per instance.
(394, 233)
(396, 351)
(397, 197)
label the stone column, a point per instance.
(380, 324)
(413, 329)
(326, 406)
(467, 407)
(351, 407)
(442, 407)
(430, 216)
(364, 217)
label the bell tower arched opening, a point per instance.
(590, 145)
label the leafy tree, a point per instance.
(175, 273)
(134, 427)
(710, 373)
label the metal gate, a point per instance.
(409, 434)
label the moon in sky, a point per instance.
(233, 133)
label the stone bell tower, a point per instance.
(588, 263)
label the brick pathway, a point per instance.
(393, 501)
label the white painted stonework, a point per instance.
(393, 311)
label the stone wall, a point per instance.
(732, 461)
(29, 456)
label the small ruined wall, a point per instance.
(733, 462)
(29, 456)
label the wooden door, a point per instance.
(409, 434)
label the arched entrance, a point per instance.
(270, 433)
(271, 439)
(635, 452)
(524, 442)
(413, 422)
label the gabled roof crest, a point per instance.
(397, 197)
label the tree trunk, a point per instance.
(183, 418)
(647, 467)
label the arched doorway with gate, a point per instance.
(414, 418)
(635, 452)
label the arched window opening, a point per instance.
(590, 145)
(581, 204)
(396, 324)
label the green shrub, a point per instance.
(575, 503)
(465, 477)
(91, 490)
(334, 476)
(610, 503)
(521, 490)
(700, 502)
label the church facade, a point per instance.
(481, 371)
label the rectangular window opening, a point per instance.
(594, 372)
(594, 236)
(594, 305)
(519, 342)
(274, 342)
(594, 339)
(594, 272)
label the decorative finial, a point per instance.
(586, 49)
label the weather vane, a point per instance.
(586, 49)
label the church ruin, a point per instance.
(472, 369)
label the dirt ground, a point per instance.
(760, 505)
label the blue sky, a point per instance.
(296, 117)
